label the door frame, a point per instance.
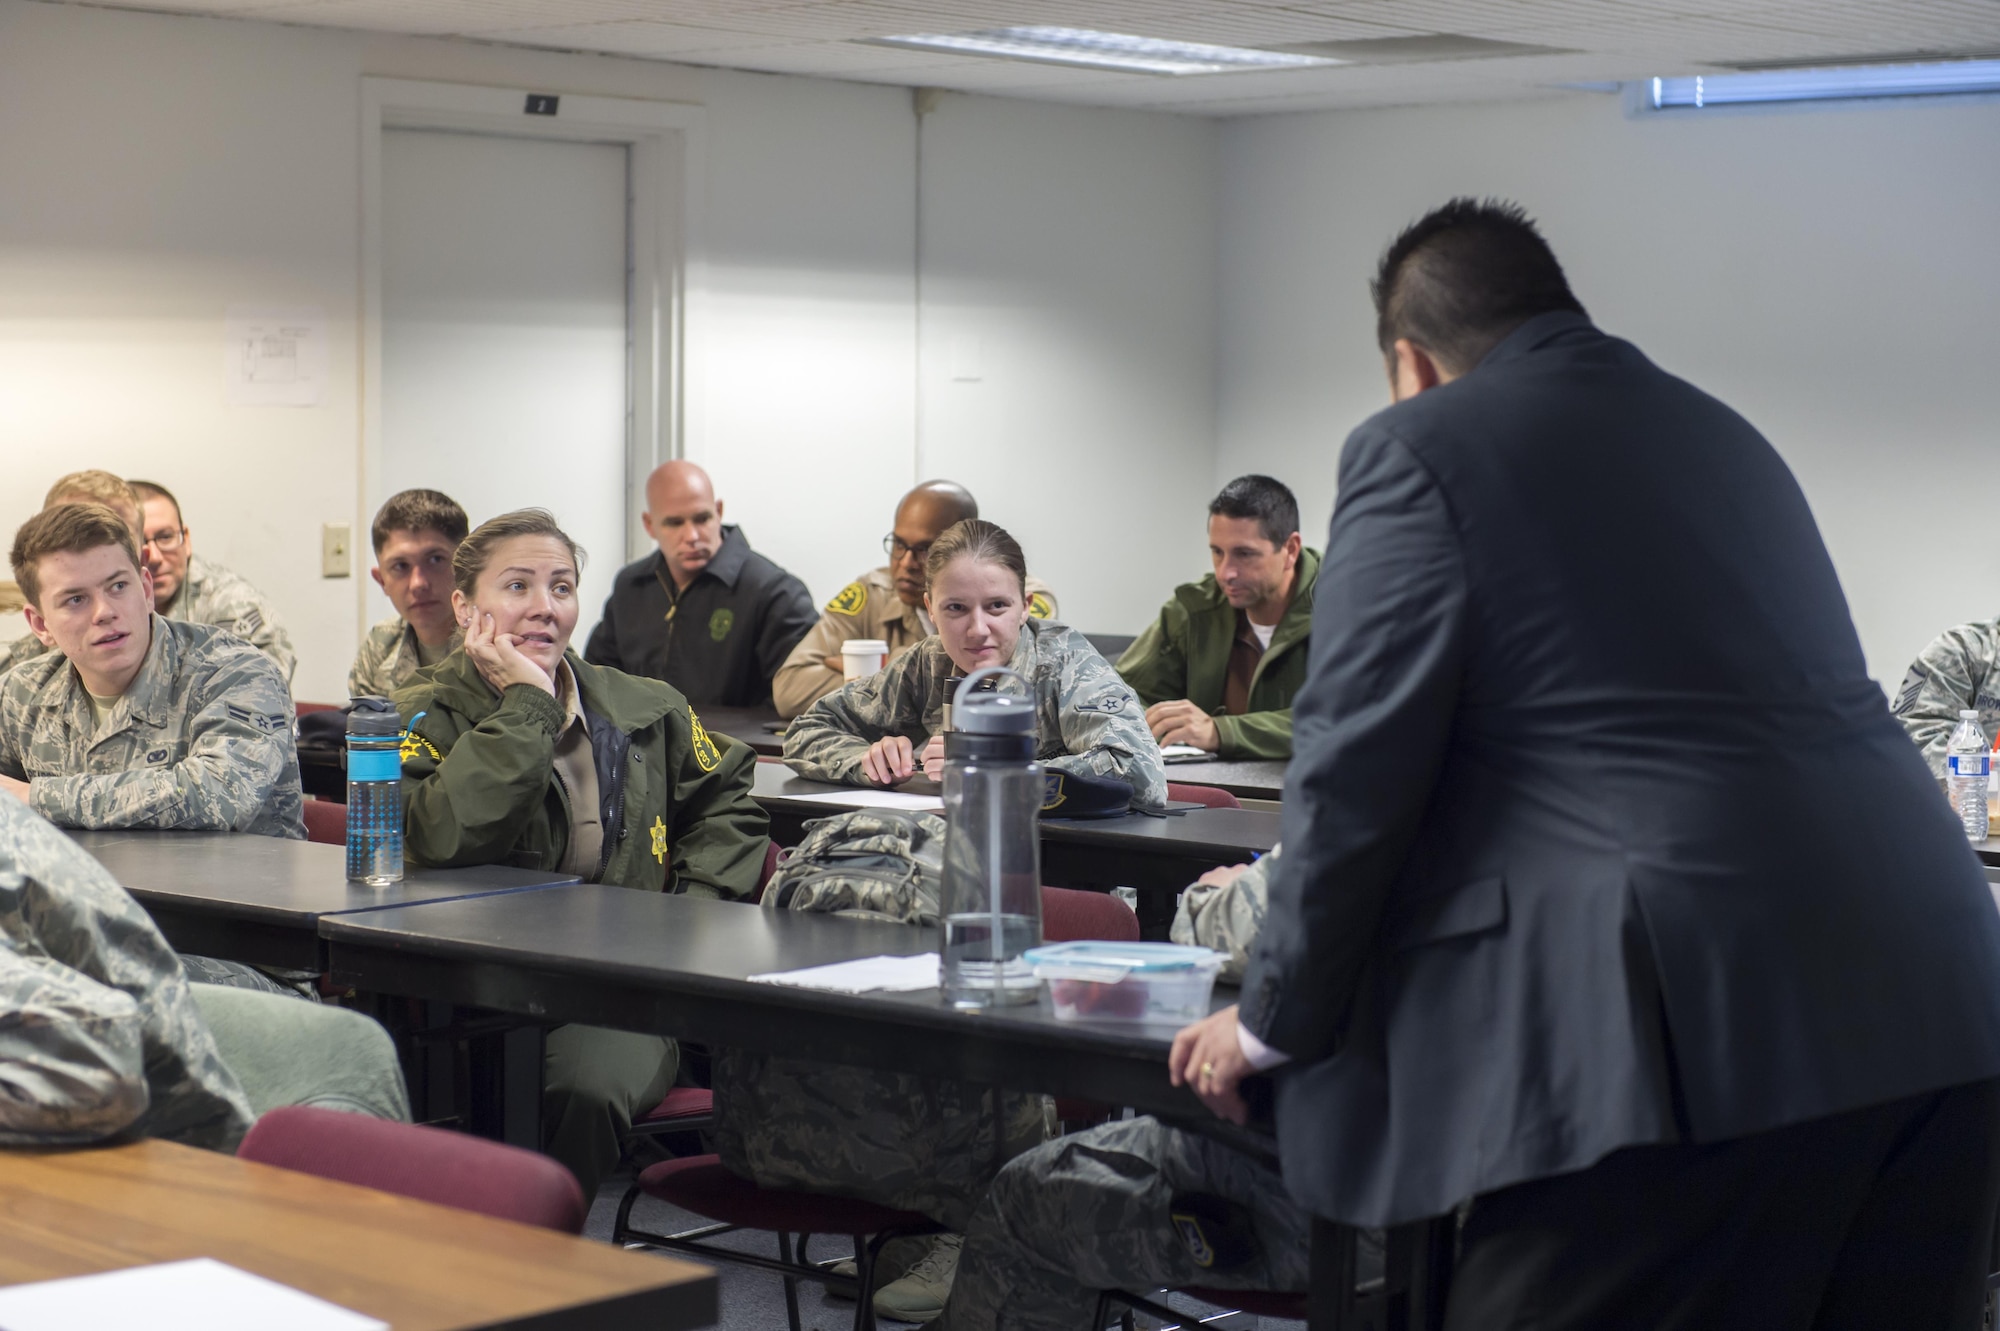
(665, 143)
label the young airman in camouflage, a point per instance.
(102, 1034)
(1959, 670)
(79, 487)
(196, 591)
(1097, 1209)
(1088, 718)
(415, 533)
(134, 720)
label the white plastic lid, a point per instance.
(1110, 962)
(1968, 714)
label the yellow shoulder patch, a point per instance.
(414, 744)
(706, 755)
(1040, 607)
(852, 597)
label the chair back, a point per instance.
(1214, 797)
(307, 708)
(429, 1164)
(326, 821)
(771, 853)
(1070, 914)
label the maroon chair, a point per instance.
(301, 708)
(1214, 797)
(326, 822)
(1068, 915)
(429, 1164)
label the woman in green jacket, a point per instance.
(517, 751)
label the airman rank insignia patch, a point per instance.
(1039, 606)
(706, 755)
(720, 623)
(850, 601)
(414, 745)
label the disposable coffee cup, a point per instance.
(862, 657)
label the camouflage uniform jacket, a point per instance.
(868, 607)
(100, 1032)
(1227, 919)
(201, 740)
(1089, 720)
(389, 659)
(211, 594)
(480, 783)
(1959, 670)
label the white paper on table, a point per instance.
(274, 357)
(1184, 751)
(896, 975)
(875, 799)
(198, 1295)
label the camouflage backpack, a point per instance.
(876, 864)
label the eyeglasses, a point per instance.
(897, 549)
(167, 541)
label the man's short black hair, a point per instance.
(1462, 277)
(1262, 498)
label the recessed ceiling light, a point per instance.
(1938, 79)
(1104, 50)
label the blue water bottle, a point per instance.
(374, 793)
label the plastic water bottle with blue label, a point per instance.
(1968, 760)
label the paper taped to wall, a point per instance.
(274, 357)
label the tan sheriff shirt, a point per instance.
(576, 765)
(866, 608)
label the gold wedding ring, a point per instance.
(1208, 1072)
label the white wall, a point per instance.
(157, 169)
(1833, 274)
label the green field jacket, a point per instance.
(480, 785)
(1185, 654)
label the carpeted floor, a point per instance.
(754, 1300)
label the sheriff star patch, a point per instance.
(850, 601)
(659, 831)
(1040, 607)
(706, 755)
(415, 744)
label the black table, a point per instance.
(1988, 851)
(1157, 856)
(751, 725)
(1259, 780)
(260, 899)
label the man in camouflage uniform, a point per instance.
(1087, 718)
(1098, 1209)
(415, 533)
(1960, 670)
(79, 487)
(101, 1034)
(134, 720)
(885, 603)
(189, 588)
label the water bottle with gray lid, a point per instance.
(374, 793)
(992, 888)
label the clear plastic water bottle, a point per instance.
(374, 793)
(1967, 762)
(992, 888)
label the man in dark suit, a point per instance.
(1613, 898)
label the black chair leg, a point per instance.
(791, 1285)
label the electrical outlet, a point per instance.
(336, 540)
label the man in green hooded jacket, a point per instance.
(1219, 667)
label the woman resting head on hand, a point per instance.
(882, 730)
(515, 599)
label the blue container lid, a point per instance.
(1098, 960)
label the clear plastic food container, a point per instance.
(1098, 981)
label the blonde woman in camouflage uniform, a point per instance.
(928, 1144)
(518, 751)
(879, 731)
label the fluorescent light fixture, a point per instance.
(1105, 50)
(1937, 79)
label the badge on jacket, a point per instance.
(1039, 607)
(706, 755)
(852, 597)
(720, 623)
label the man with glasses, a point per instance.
(705, 612)
(191, 589)
(885, 603)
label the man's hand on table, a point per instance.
(1208, 1058)
(1179, 721)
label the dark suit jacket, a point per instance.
(720, 641)
(1596, 831)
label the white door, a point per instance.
(504, 334)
